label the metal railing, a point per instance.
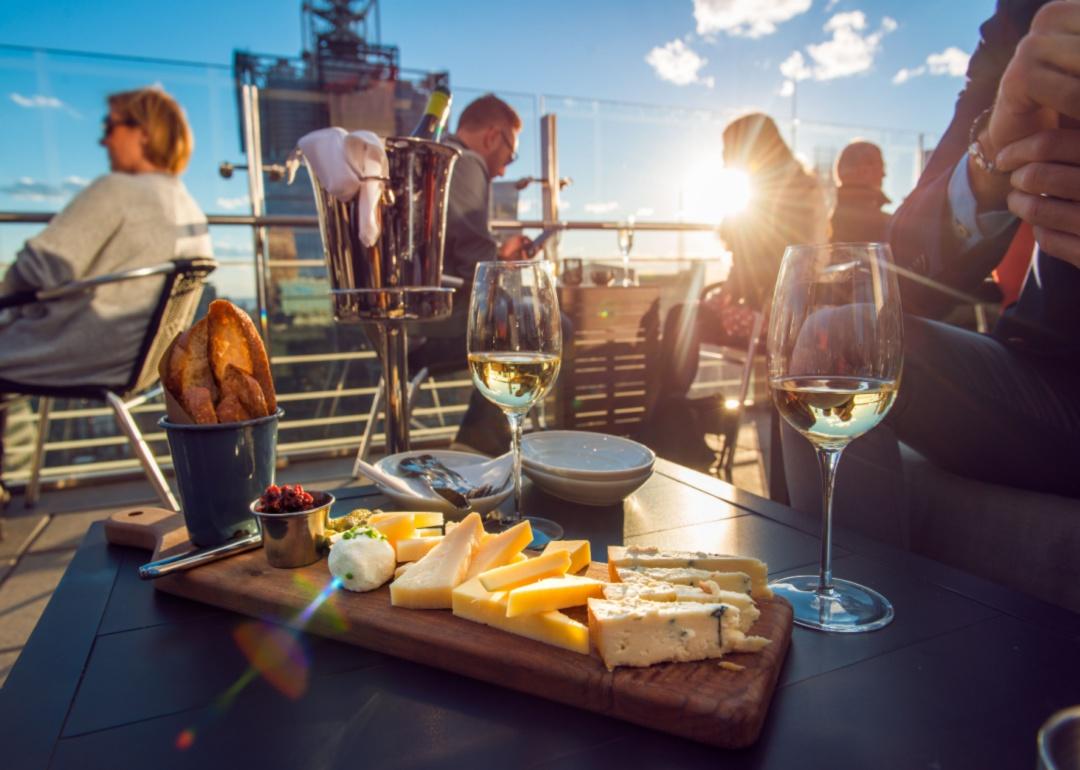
(444, 416)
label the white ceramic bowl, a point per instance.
(467, 464)
(576, 454)
(587, 491)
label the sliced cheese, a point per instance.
(552, 594)
(394, 526)
(472, 602)
(419, 518)
(401, 569)
(706, 592)
(415, 548)
(528, 571)
(429, 582)
(518, 558)
(646, 557)
(499, 549)
(429, 532)
(632, 633)
(686, 576)
(580, 554)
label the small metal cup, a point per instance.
(295, 539)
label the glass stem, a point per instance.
(828, 459)
(516, 421)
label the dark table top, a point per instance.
(118, 675)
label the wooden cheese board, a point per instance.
(701, 701)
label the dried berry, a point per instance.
(285, 499)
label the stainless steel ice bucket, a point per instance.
(398, 277)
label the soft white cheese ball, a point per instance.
(362, 563)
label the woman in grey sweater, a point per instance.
(138, 215)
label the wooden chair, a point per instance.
(177, 303)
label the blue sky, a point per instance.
(863, 64)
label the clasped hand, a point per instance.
(1036, 123)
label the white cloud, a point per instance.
(678, 64)
(41, 102)
(37, 101)
(787, 88)
(228, 204)
(644, 212)
(28, 189)
(745, 18)
(850, 50)
(604, 207)
(951, 62)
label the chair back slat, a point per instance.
(175, 311)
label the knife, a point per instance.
(199, 556)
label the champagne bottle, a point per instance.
(435, 114)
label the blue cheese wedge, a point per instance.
(686, 576)
(638, 557)
(641, 633)
(705, 592)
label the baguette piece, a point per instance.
(234, 341)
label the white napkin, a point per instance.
(339, 160)
(366, 156)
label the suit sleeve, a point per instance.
(934, 260)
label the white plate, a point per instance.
(582, 455)
(465, 463)
(587, 492)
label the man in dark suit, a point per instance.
(1000, 408)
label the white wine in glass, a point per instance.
(835, 355)
(515, 348)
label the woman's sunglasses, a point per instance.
(108, 124)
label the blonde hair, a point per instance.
(754, 140)
(169, 139)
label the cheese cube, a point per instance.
(498, 549)
(629, 633)
(415, 548)
(552, 594)
(429, 582)
(646, 557)
(429, 532)
(394, 526)
(528, 571)
(420, 518)
(580, 555)
(472, 602)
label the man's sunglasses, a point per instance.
(510, 146)
(108, 124)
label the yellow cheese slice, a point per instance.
(529, 571)
(499, 549)
(518, 558)
(552, 594)
(429, 532)
(472, 602)
(395, 526)
(401, 569)
(428, 583)
(580, 555)
(415, 548)
(420, 518)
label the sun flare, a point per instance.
(711, 193)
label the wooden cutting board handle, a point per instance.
(153, 529)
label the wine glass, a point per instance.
(626, 244)
(835, 354)
(515, 348)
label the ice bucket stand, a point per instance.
(397, 279)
